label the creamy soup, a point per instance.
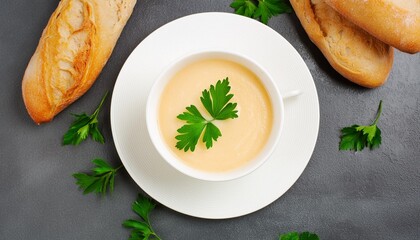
(242, 138)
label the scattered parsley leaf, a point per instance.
(244, 7)
(141, 229)
(358, 137)
(299, 236)
(102, 177)
(216, 102)
(83, 126)
(261, 9)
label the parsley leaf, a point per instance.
(83, 126)
(244, 7)
(190, 133)
(102, 177)
(141, 229)
(216, 102)
(261, 9)
(358, 137)
(269, 8)
(299, 236)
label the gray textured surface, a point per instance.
(340, 195)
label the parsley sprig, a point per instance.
(299, 236)
(261, 9)
(141, 229)
(216, 102)
(358, 137)
(100, 180)
(83, 126)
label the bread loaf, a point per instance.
(395, 22)
(74, 47)
(351, 51)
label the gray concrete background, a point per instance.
(340, 195)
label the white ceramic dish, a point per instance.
(195, 197)
(153, 105)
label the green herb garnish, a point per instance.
(261, 9)
(358, 137)
(102, 177)
(299, 236)
(83, 126)
(141, 229)
(216, 102)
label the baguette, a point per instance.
(351, 51)
(73, 49)
(395, 22)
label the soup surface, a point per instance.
(242, 138)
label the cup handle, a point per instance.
(291, 94)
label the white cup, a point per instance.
(166, 153)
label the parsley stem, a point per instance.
(100, 104)
(378, 114)
(118, 168)
(156, 236)
(153, 233)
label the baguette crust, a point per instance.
(351, 51)
(73, 49)
(395, 22)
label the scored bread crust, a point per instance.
(351, 51)
(74, 47)
(395, 22)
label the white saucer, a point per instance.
(216, 200)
